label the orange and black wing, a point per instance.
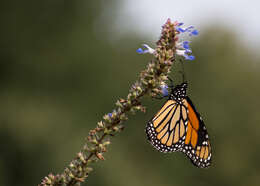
(166, 131)
(196, 145)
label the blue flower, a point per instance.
(185, 53)
(183, 48)
(194, 32)
(190, 57)
(183, 45)
(109, 114)
(164, 89)
(189, 29)
(146, 50)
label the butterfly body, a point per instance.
(177, 126)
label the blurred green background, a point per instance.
(61, 71)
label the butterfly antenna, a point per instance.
(171, 85)
(182, 72)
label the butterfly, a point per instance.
(177, 126)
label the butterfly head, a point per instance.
(178, 93)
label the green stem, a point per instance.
(148, 84)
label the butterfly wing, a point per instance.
(196, 145)
(179, 127)
(167, 129)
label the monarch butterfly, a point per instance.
(177, 126)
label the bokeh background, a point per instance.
(63, 64)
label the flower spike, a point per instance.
(182, 47)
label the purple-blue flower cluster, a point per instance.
(189, 30)
(182, 48)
